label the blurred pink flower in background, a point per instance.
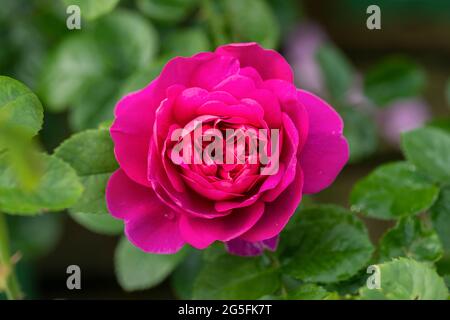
(401, 116)
(301, 49)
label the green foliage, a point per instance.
(167, 11)
(98, 223)
(360, 132)
(429, 150)
(21, 154)
(74, 64)
(440, 214)
(232, 277)
(392, 191)
(411, 238)
(184, 276)
(251, 20)
(87, 70)
(91, 154)
(185, 42)
(311, 291)
(327, 244)
(392, 79)
(93, 9)
(407, 279)
(336, 70)
(20, 107)
(137, 270)
(242, 21)
(57, 189)
(46, 231)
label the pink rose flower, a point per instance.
(166, 205)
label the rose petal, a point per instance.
(278, 212)
(149, 224)
(189, 202)
(290, 104)
(237, 85)
(289, 158)
(269, 63)
(214, 71)
(200, 233)
(268, 101)
(326, 150)
(187, 102)
(251, 114)
(132, 130)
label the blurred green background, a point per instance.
(381, 81)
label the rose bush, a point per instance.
(165, 205)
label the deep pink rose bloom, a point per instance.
(165, 205)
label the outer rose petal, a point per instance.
(200, 233)
(131, 132)
(278, 212)
(269, 63)
(326, 150)
(149, 224)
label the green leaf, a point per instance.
(73, 66)
(166, 11)
(46, 230)
(361, 133)
(91, 154)
(216, 21)
(184, 276)
(440, 123)
(336, 70)
(392, 79)
(288, 13)
(251, 20)
(185, 42)
(327, 244)
(21, 154)
(407, 279)
(140, 79)
(58, 188)
(87, 114)
(93, 9)
(232, 277)
(310, 291)
(411, 238)
(19, 106)
(93, 199)
(98, 223)
(127, 40)
(429, 150)
(440, 215)
(393, 191)
(137, 270)
(87, 70)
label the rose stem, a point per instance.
(12, 285)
